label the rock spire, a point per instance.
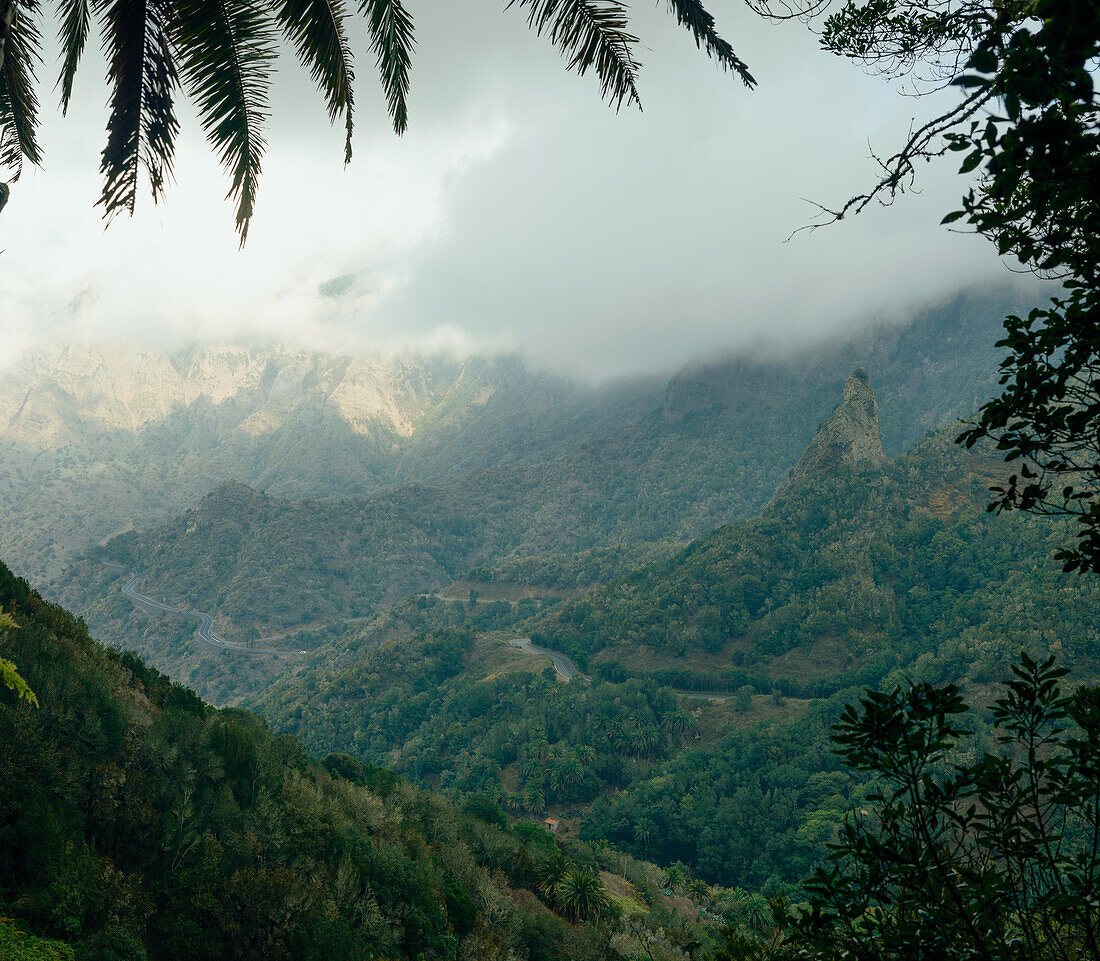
(848, 437)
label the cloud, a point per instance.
(519, 211)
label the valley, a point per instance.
(720, 659)
(640, 637)
(584, 486)
(456, 515)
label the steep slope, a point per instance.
(99, 439)
(860, 572)
(137, 822)
(849, 438)
(854, 569)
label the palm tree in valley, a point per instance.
(676, 876)
(755, 911)
(552, 873)
(530, 767)
(679, 722)
(222, 53)
(566, 773)
(699, 890)
(581, 895)
(534, 797)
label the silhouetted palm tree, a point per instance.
(221, 52)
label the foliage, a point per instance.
(223, 54)
(136, 821)
(16, 945)
(580, 893)
(964, 853)
(1039, 156)
(9, 676)
(424, 701)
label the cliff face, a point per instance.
(65, 394)
(850, 435)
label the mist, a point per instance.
(519, 213)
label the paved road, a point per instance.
(206, 623)
(566, 669)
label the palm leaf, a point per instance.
(693, 15)
(8, 11)
(73, 34)
(593, 34)
(391, 39)
(225, 50)
(316, 28)
(142, 127)
(18, 104)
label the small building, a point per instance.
(551, 825)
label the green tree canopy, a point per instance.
(966, 853)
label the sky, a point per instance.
(519, 212)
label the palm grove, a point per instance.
(986, 853)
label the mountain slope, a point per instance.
(853, 567)
(861, 571)
(137, 822)
(100, 439)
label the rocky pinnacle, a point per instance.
(848, 437)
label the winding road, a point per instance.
(206, 622)
(566, 669)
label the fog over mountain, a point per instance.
(519, 211)
(549, 538)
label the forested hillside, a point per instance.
(714, 451)
(857, 574)
(101, 440)
(136, 822)
(846, 576)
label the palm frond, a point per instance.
(8, 11)
(391, 39)
(73, 34)
(225, 50)
(693, 15)
(593, 34)
(18, 103)
(142, 127)
(316, 28)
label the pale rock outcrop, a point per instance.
(67, 393)
(849, 437)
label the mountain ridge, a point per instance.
(849, 437)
